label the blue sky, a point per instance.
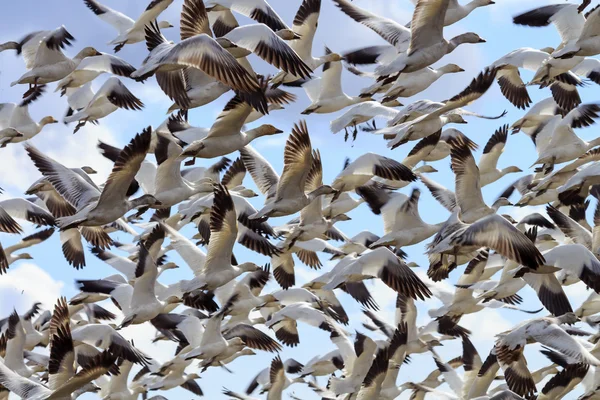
(48, 275)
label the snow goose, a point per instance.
(130, 31)
(22, 209)
(365, 349)
(78, 384)
(437, 147)
(196, 50)
(360, 171)
(488, 164)
(16, 125)
(175, 379)
(106, 337)
(423, 107)
(509, 78)
(91, 67)
(261, 171)
(170, 187)
(45, 59)
(360, 113)
(216, 345)
(403, 225)
(576, 259)
(259, 10)
(565, 145)
(468, 198)
(217, 269)
(78, 98)
(396, 35)
(412, 83)
(577, 187)
(547, 331)
(283, 262)
(343, 204)
(305, 25)
(427, 44)
(6, 256)
(298, 159)
(586, 43)
(312, 224)
(385, 265)
(144, 305)
(432, 122)
(225, 135)
(569, 23)
(326, 93)
(269, 377)
(284, 322)
(95, 208)
(111, 96)
(492, 231)
(268, 45)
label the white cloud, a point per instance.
(25, 284)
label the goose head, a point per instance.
(249, 267)
(244, 192)
(392, 103)
(269, 301)
(332, 57)
(455, 119)
(469, 37)
(287, 34)
(568, 318)
(145, 200)
(24, 256)
(192, 376)
(89, 170)
(87, 52)
(340, 217)
(450, 69)
(47, 120)
(482, 3)
(322, 190)
(165, 25)
(510, 170)
(425, 169)
(264, 130)
(169, 265)
(501, 202)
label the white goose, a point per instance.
(412, 83)
(430, 123)
(586, 44)
(290, 195)
(130, 31)
(217, 269)
(402, 224)
(7, 257)
(170, 187)
(326, 93)
(488, 163)
(305, 25)
(225, 135)
(92, 67)
(437, 147)
(360, 171)
(427, 44)
(196, 50)
(16, 125)
(360, 113)
(95, 208)
(111, 96)
(44, 58)
(565, 145)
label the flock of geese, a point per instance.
(221, 311)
